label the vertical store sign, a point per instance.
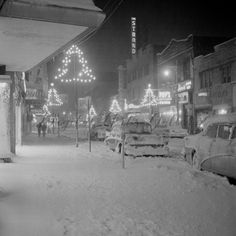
(5, 117)
(133, 35)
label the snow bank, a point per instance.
(62, 190)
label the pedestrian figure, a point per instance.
(44, 127)
(39, 127)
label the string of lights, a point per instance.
(84, 75)
(149, 97)
(115, 107)
(53, 97)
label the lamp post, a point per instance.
(72, 73)
(167, 73)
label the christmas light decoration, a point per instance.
(131, 106)
(149, 97)
(92, 112)
(115, 107)
(53, 97)
(84, 74)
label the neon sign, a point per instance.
(186, 85)
(164, 97)
(133, 35)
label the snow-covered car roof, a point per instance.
(227, 118)
(130, 120)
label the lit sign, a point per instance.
(202, 94)
(33, 94)
(133, 35)
(222, 112)
(183, 97)
(164, 97)
(164, 102)
(186, 85)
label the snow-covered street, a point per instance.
(56, 189)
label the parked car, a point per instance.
(98, 132)
(138, 139)
(169, 128)
(214, 148)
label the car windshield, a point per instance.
(136, 127)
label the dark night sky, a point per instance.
(165, 19)
(110, 46)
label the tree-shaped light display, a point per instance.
(53, 97)
(115, 107)
(149, 97)
(76, 70)
(92, 112)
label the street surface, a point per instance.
(54, 188)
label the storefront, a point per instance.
(33, 109)
(221, 96)
(203, 106)
(184, 104)
(5, 139)
(167, 108)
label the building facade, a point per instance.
(138, 72)
(215, 81)
(36, 96)
(176, 76)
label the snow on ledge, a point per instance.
(84, 4)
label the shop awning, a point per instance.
(33, 30)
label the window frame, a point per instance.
(224, 124)
(213, 124)
(234, 129)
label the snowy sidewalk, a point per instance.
(54, 188)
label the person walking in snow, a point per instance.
(44, 128)
(39, 127)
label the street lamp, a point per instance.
(167, 73)
(75, 70)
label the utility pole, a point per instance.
(89, 127)
(77, 107)
(176, 93)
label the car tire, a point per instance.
(195, 161)
(119, 148)
(232, 181)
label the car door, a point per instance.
(221, 144)
(233, 141)
(206, 140)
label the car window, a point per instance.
(234, 133)
(224, 131)
(212, 131)
(137, 127)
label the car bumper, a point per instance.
(146, 150)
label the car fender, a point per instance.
(223, 164)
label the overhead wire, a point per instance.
(90, 34)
